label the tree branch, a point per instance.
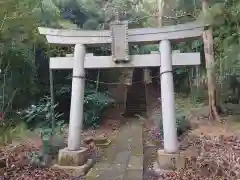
(3, 21)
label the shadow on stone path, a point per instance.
(124, 157)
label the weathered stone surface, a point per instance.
(134, 175)
(176, 161)
(115, 171)
(75, 170)
(190, 157)
(135, 163)
(72, 158)
(101, 140)
(97, 170)
(104, 145)
(158, 171)
(168, 161)
(123, 156)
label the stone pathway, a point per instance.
(124, 157)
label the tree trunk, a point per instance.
(161, 4)
(210, 66)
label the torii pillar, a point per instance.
(75, 157)
(167, 98)
(77, 99)
(168, 158)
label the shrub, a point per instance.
(182, 124)
(39, 115)
(94, 103)
(9, 133)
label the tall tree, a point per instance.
(17, 38)
(210, 66)
(161, 4)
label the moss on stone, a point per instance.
(66, 161)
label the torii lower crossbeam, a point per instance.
(146, 60)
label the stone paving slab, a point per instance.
(133, 175)
(135, 163)
(98, 170)
(124, 156)
(116, 171)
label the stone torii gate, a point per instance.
(119, 36)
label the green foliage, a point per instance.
(100, 13)
(38, 159)
(199, 95)
(52, 140)
(17, 76)
(224, 15)
(94, 105)
(91, 24)
(183, 124)
(48, 133)
(11, 132)
(39, 115)
(19, 38)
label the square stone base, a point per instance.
(168, 161)
(72, 158)
(177, 161)
(76, 170)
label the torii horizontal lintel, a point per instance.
(88, 37)
(146, 60)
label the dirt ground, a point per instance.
(19, 168)
(219, 138)
(227, 132)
